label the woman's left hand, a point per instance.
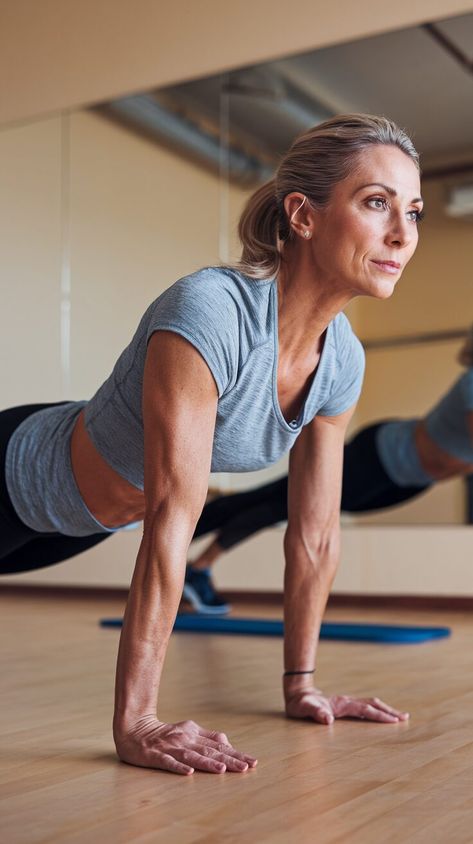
(316, 706)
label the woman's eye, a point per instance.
(415, 216)
(377, 202)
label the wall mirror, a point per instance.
(107, 206)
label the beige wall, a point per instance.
(30, 270)
(56, 54)
(138, 218)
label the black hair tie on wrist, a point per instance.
(292, 673)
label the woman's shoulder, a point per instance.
(218, 312)
(219, 299)
(215, 286)
(222, 277)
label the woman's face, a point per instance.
(364, 237)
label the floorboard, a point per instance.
(352, 782)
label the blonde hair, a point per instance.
(317, 160)
(465, 355)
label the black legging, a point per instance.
(234, 517)
(21, 548)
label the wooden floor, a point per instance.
(352, 782)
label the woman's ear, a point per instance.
(297, 208)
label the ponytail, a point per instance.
(258, 232)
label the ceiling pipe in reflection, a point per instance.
(153, 119)
(281, 96)
(449, 46)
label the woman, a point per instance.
(385, 464)
(228, 369)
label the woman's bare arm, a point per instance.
(312, 548)
(179, 409)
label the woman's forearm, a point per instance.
(153, 600)
(309, 574)
(141, 738)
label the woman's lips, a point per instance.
(388, 266)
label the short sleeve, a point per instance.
(350, 369)
(200, 308)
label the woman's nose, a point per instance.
(400, 231)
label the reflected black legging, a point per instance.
(233, 517)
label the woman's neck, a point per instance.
(305, 307)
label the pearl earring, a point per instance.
(306, 234)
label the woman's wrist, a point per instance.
(297, 683)
(125, 721)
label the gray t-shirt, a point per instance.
(232, 320)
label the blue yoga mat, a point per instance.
(397, 634)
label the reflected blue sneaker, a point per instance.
(201, 593)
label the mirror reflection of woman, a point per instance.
(385, 464)
(228, 369)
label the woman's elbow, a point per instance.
(315, 548)
(174, 516)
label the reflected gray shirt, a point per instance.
(446, 423)
(232, 320)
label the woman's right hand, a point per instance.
(180, 748)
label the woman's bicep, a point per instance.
(179, 410)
